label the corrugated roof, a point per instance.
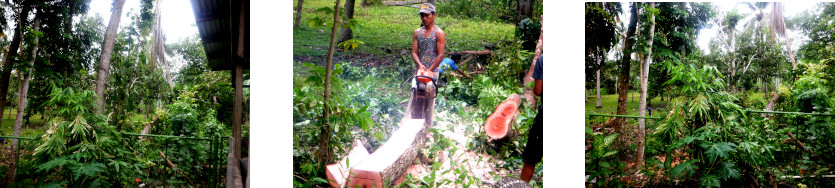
(218, 22)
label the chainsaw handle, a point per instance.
(430, 78)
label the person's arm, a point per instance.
(537, 88)
(415, 57)
(441, 36)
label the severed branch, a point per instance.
(402, 3)
(175, 166)
(798, 141)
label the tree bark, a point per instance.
(21, 105)
(8, 58)
(103, 68)
(325, 152)
(642, 103)
(347, 33)
(523, 9)
(623, 85)
(299, 13)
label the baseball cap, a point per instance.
(427, 8)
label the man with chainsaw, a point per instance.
(428, 42)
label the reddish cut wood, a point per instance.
(337, 173)
(497, 124)
(392, 159)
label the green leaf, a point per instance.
(709, 181)
(728, 171)
(721, 149)
(89, 170)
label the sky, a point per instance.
(177, 20)
(705, 34)
(177, 16)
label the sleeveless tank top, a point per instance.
(427, 47)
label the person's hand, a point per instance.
(468, 76)
(421, 67)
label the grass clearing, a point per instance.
(609, 104)
(34, 128)
(388, 29)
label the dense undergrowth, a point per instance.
(708, 138)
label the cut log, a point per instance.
(402, 3)
(391, 160)
(338, 172)
(498, 124)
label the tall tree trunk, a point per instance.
(349, 13)
(598, 83)
(325, 152)
(103, 68)
(8, 58)
(623, 86)
(733, 61)
(299, 13)
(642, 103)
(524, 9)
(68, 23)
(21, 106)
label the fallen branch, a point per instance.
(174, 167)
(798, 141)
(482, 52)
(401, 3)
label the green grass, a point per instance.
(384, 28)
(35, 128)
(609, 104)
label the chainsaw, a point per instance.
(424, 90)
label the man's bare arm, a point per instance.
(441, 36)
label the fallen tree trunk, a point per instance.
(147, 129)
(498, 124)
(338, 173)
(402, 3)
(391, 160)
(770, 106)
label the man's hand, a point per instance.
(421, 66)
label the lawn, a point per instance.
(388, 30)
(27, 130)
(609, 104)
